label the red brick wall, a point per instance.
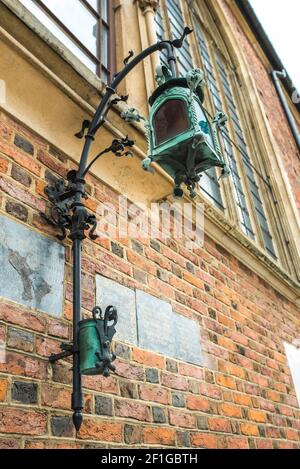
(243, 398)
(272, 105)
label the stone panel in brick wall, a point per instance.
(155, 324)
(108, 293)
(149, 322)
(32, 268)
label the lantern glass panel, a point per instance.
(170, 120)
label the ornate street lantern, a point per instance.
(180, 136)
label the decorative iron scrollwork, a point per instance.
(105, 331)
(65, 214)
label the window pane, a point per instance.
(104, 76)
(104, 46)
(104, 10)
(160, 33)
(59, 33)
(94, 4)
(170, 120)
(185, 63)
(78, 19)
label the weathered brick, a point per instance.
(10, 443)
(26, 422)
(191, 370)
(51, 163)
(264, 444)
(242, 399)
(132, 410)
(21, 194)
(3, 389)
(192, 279)
(225, 381)
(128, 389)
(3, 165)
(58, 329)
(154, 393)
(129, 371)
(148, 358)
(198, 403)
(178, 400)
(62, 426)
(272, 432)
(257, 416)
(24, 365)
(24, 392)
(202, 422)
(137, 247)
(101, 384)
(230, 410)
(159, 415)
(140, 276)
(62, 372)
(24, 144)
(122, 351)
(46, 347)
(182, 419)
(57, 397)
(100, 430)
(22, 159)
(20, 175)
(103, 405)
(237, 443)
(217, 424)
(132, 434)
(204, 440)
(20, 339)
(210, 390)
(16, 210)
(5, 132)
(249, 429)
(171, 365)
(152, 375)
(183, 439)
(173, 381)
(159, 436)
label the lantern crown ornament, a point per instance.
(181, 138)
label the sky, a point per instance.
(281, 21)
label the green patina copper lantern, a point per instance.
(95, 336)
(181, 138)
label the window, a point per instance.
(84, 26)
(247, 184)
(243, 177)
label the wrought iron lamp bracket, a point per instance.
(69, 213)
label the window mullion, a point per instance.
(248, 206)
(209, 106)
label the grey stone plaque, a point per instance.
(155, 324)
(187, 339)
(32, 268)
(108, 293)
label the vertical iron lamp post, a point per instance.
(91, 347)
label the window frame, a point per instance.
(97, 59)
(215, 49)
(268, 196)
